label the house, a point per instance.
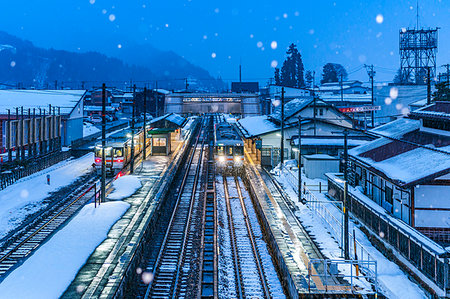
(321, 131)
(271, 95)
(406, 171)
(346, 87)
(36, 103)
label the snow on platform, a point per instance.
(48, 272)
(393, 282)
(27, 195)
(124, 187)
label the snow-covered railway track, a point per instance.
(37, 232)
(250, 279)
(170, 270)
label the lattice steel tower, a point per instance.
(418, 48)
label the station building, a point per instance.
(163, 131)
(242, 104)
(35, 103)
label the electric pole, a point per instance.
(342, 87)
(103, 180)
(371, 74)
(299, 158)
(345, 204)
(282, 126)
(132, 130)
(145, 124)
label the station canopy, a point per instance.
(169, 121)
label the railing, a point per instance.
(430, 262)
(330, 212)
(346, 272)
(11, 176)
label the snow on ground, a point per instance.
(26, 196)
(89, 129)
(393, 282)
(125, 186)
(49, 271)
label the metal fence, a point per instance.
(9, 177)
(342, 276)
(419, 253)
(331, 214)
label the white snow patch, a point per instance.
(48, 272)
(25, 197)
(125, 186)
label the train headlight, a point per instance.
(238, 160)
(222, 159)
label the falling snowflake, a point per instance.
(379, 18)
(274, 45)
(13, 63)
(112, 17)
(274, 63)
(92, 1)
(213, 55)
(259, 44)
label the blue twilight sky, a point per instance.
(217, 35)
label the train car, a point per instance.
(228, 148)
(118, 150)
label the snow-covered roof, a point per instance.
(437, 110)
(329, 141)
(405, 162)
(397, 127)
(172, 117)
(65, 99)
(256, 125)
(348, 97)
(320, 157)
(291, 108)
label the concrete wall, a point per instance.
(315, 168)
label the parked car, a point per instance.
(95, 119)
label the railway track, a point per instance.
(38, 232)
(170, 269)
(250, 279)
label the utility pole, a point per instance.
(132, 130)
(428, 85)
(8, 135)
(282, 126)
(342, 87)
(345, 204)
(187, 84)
(145, 125)
(371, 74)
(157, 100)
(56, 84)
(22, 132)
(103, 179)
(314, 103)
(240, 75)
(299, 158)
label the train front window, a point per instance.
(220, 150)
(118, 152)
(229, 150)
(238, 151)
(98, 152)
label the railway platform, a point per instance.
(111, 263)
(291, 246)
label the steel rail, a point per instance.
(252, 241)
(178, 199)
(234, 250)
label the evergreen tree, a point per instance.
(442, 92)
(308, 79)
(401, 78)
(277, 76)
(332, 72)
(292, 70)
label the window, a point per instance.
(118, 152)
(238, 150)
(320, 111)
(229, 150)
(159, 141)
(220, 150)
